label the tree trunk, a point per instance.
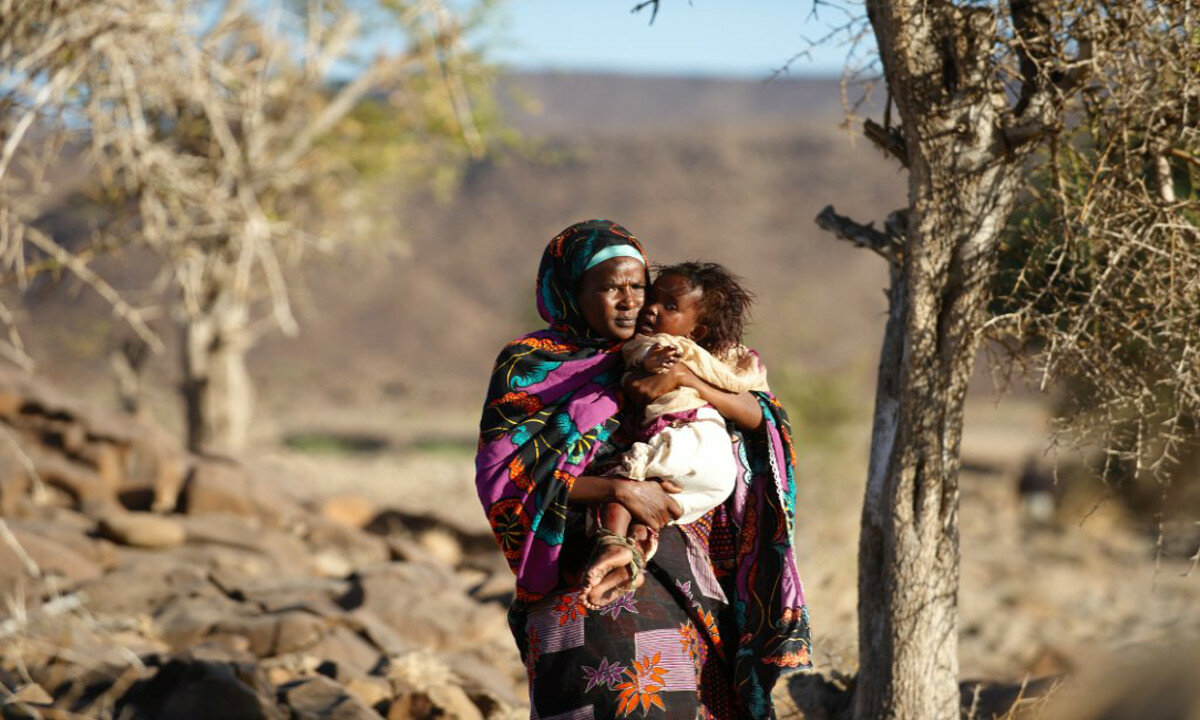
(218, 394)
(962, 186)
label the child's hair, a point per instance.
(725, 303)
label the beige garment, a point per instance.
(738, 370)
(696, 455)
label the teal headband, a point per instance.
(613, 251)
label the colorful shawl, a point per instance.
(552, 402)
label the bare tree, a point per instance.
(217, 140)
(1085, 114)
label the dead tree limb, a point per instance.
(864, 236)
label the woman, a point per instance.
(721, 611)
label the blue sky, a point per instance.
(725, 38)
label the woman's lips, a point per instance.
(625, 321)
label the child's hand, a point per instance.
(661, 358)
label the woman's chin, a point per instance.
(622, 332)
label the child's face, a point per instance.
(673, 306)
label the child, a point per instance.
(695, 314)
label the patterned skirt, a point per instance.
(654, 653)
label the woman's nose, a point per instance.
(627, 298)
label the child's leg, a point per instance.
(608, 572)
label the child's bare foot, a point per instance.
(611, 587)
(602, 575)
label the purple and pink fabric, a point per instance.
(721, 612)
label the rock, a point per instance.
(32, 693)
(141, 585)
(344, 655)
(216, 486)
(48, 556)
(341, 550)
(352, 511)
(191, 689)
(372, 691)
(319, 698)
(186, 621)
(425, 688)
(275, 594)
(73, 530)
(143, 530)
(276, 633)
(380, 634)
(222, 486)
(441, 545)
(262, 548)
(85, 486)
(426, 605)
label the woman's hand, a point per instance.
(650, 502)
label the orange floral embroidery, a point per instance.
(519, 476)
(510, 525)
(645, 681)
(710, 626)
(690, 639)
(569, 608)
(522, 400)
(547, 344)
(789, 659)
(565, 478)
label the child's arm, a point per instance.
(741, 408)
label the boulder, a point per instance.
(47, 556)
(343, 654)
(264, 548)
(319, 698)
(185, 621)
(425, 687)
(223, 486)
(144, 530)
(187, 688)
(276, 633)
(372, 691)
(352, 511)
(340, 550)
(427, 606)
(74, 530)
(441, 545)
(144, 582)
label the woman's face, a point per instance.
(610, 296)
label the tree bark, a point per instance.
(217, 390)
(962, 187)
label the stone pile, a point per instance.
(138, 581)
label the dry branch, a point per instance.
(864, 236)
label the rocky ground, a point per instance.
(140, 582)
(234, 600)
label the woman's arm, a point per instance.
(649, 502)
(742, 408)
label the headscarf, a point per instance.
(551, 404)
